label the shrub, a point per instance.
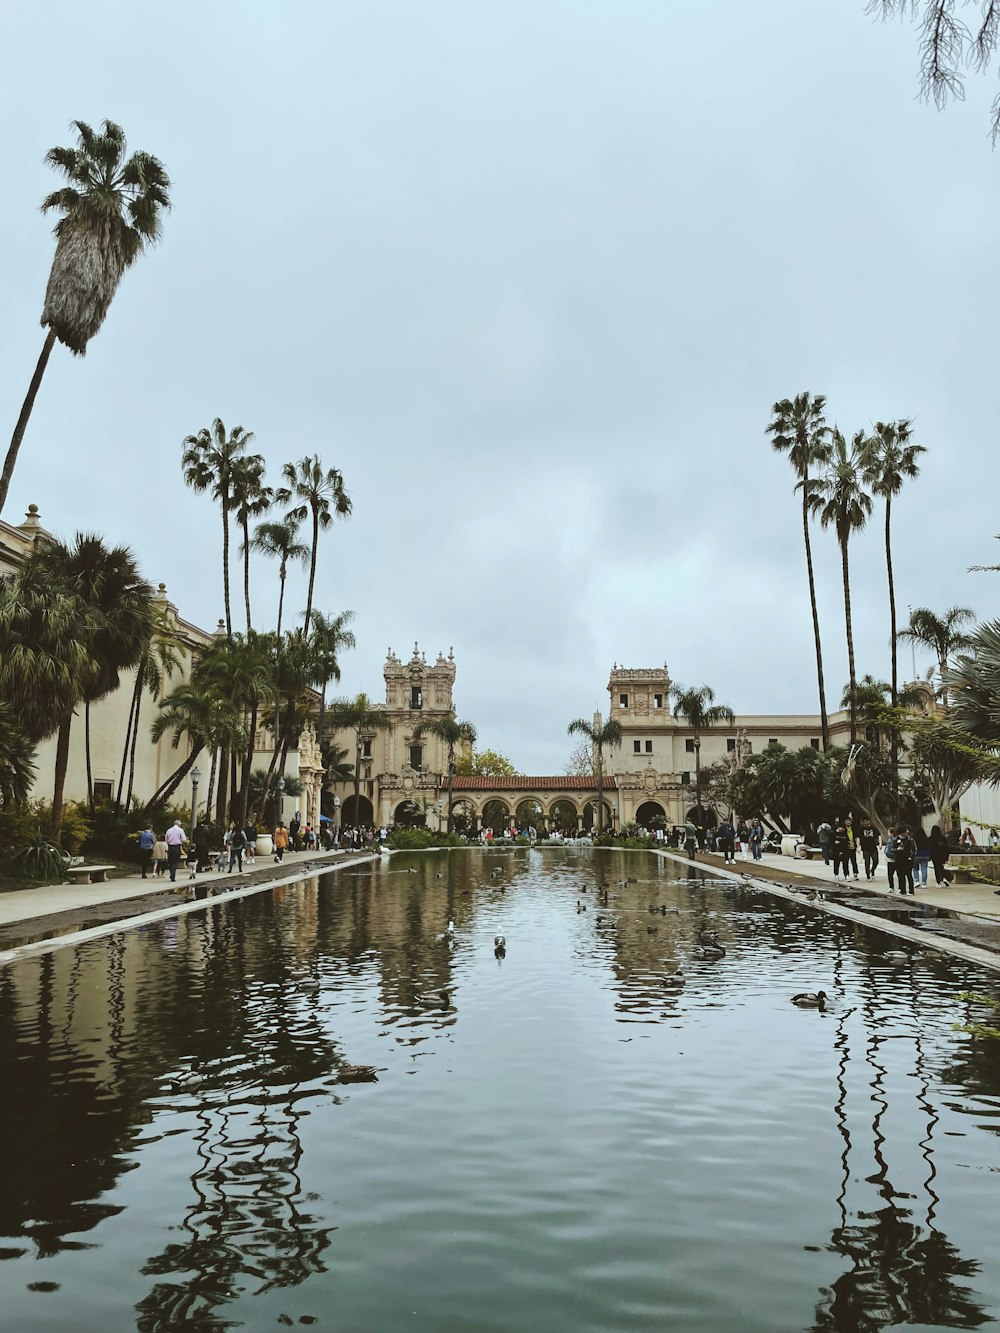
(38, 859)
(32, 820)
(416, 839)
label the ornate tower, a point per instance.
(418, 690)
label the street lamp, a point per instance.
(195, 779)
(281, 800)
(336, 813)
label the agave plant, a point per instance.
(39, 859)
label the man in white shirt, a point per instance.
(175, 840)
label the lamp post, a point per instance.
(336, 814)
(281, 800)
(195, 779)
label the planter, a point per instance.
(264, 845)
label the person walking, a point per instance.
(237, 846)
(890, 859)
(159, 858)
(838, 851)
(690, 839)
(200, 838)
(825, 834)
(146, 843)
(280, 842)
(175, 840)
(743, 838)
(756, 838)
(923, 846)
(940, 851)
(906, 851)
(852, 848)
(870, 843)
(727, 841)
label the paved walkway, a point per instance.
(969, 899)
(27, 904)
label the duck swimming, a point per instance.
(186, 1082)
(499, 946)
(810, 999)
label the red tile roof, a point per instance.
(519, 783)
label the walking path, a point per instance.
(978, 900)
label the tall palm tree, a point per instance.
(210, 462)
(973, 681)
(943, 635)
(280, 541)
(453, 733)
(609, 734)
(330, 637)
(241, 671)
(798, 428)
(320, 495)
(840, 499)
(364, 718)
(251, 499)
(700, 710)
(111, 211)
(888, 460)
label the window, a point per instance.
(416, 756)
(773, 740)
(637, 747)
(649, 747)
(657, 700)
(730, 743)
(685, 779)
(366, 748)
(815, 742)
(623, 701)
(689, 746)
(102, 792)
(416, 697)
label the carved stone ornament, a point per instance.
(650, 781)
(640, 705)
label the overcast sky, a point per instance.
(531, 274)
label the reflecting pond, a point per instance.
(605, 1129)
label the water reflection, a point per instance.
(180, 1101)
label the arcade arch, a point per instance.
(651, 814)
(349, 818)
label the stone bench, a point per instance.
(793, 845)
(88, 874)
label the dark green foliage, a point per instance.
(38, 859)
(417, 839)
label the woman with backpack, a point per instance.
(940, 851)
(905, 854)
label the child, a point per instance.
(159, 857)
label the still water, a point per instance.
(558, 1140)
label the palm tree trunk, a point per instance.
(246, 570)
(600, 790)
(59, 777)
(357, 785)
(451, 782)
(220, 800)
(281, 596)
(247, 765)
(850, 642)
(212, 773)
(132, 722)
(824, 721)
(312, 568)
(86, 751)
(697, 776)
(163, 794)
(131, 757)
(894, 679)
(225, 565)
(22, 421)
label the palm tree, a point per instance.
(330, 637)
(110, 212)
(199, 714)
(611, 735)
(364, 718)
(159, 662)
(840, 499)
(943, 635)
(973, 681)
(210, 462)
(110, 625)
(241, 672)
(251, 499)
(798, 428)
(888, 460)
(699, 708)
(453, 733)
(279, 540)
(319, 494)
(17, 759)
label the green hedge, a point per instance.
(416, 839)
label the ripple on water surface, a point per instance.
(608, 1129)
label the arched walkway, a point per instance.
(348, 817)
(706, 818)
(564, 816)
(590, 815)
(529, 814)
(464, 816)
(496, 815)
(651, 814)
(409, 813)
